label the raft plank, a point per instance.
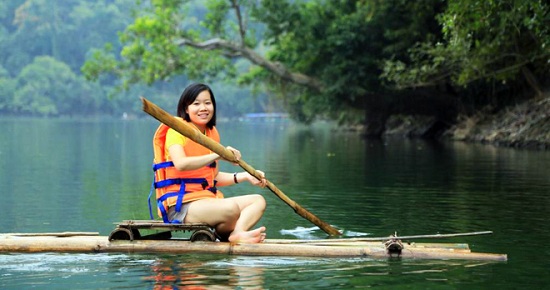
(157, 224)
(60, 234)
(97, 244)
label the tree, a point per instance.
(66, 30)
(322, 57)
(42, 20)
(48, 87)
(7, 86)
(343, 43)
(487, 41)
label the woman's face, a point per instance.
(201, 110)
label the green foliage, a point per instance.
(101, 60)
(42, 47)
(151, 52)
(7, 86)
(69, 34)
(214, 20)
(337, 60)
(338, 44)
(46, 87)
(483, 40)
(342, 43)
(324, 40)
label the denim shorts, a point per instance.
(178, 216)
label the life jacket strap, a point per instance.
(213, 189)
(149, 197)
(179, 194)
(163, 210)
(172, 181)
(161, 165)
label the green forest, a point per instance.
(354, 62)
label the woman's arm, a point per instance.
(184, 162)
(226, 178)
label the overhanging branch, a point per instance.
(231, 49)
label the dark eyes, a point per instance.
(197, 103)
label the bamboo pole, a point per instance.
(100, 244)
(373, 239)
(456, 247)
(193, 134)
(61, 234)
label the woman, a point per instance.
(187, 188)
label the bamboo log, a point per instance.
(435, 246)
(373, 239)
(194, 134)
(61, 234)
(461, 246)
(95, 244)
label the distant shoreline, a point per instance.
(525, 126)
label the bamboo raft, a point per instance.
(127, 238)
(376, 248)
(392, 246)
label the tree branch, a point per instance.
(242, 29)
(232, 49)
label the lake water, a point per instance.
(84, 175)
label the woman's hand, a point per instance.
(236, 152)
(255, 181)
(252, 179)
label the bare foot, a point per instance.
(248, 237)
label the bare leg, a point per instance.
(252, 208)
(232, 217)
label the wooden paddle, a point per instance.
(194, 134)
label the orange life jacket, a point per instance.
(174, 187)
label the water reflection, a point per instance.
(176, 274)
(96, 271)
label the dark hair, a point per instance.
(189, 95)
